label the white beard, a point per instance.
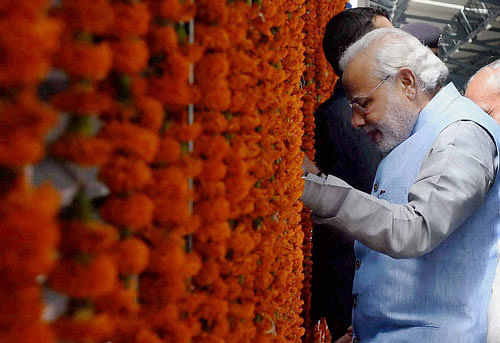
(395, 126)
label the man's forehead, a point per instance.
(357, 72)
(482, 84)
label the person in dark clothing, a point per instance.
(349, 154)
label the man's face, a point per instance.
(379, 109)
(484, 91)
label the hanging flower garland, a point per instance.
(199, 239)
(166, 286)
(224, 184)
(28, 227)
(318, 81)
(87, 269)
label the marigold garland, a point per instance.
(29, 227)
(318, 80)
(199, 239)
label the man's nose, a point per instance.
(357, 120)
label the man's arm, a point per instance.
(452, 183)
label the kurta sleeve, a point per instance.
(453, 182)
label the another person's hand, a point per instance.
(309, 167)
(347, 338)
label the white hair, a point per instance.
(494, 76)
(394, 49)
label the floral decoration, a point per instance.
(193, 113)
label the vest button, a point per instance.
(357, 264)
(375, 187)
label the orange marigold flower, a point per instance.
(169, 151)
(20, 305)
(212, 147)
(216, 209)
(29, 7)
(83, 102)
(91, 61)
(130, 56)
(88, 237)
(151, 113)
(168, 212)
(213, 171)
(212, 11)
(28, 112)
(119, 301)
(185, 132)
(168, 257)
(147, 336)
(122, 174)
(131, 256)
(85, 60)
(217, 97)
(191, 166)
(163, 39)
(216, 232)
(18, 148)
(189, 226)
(172, 91)
(211, 66)
(193, 264)
(241, 242)
(131, 139)
(83, 150)
(210, 189)
(133, 211)
(237, 166)
(243, 310)
(32, 332)
(95, 16)
(131, 19)
(213, 37)
(176, 10)
(169, 183)
(94, 329)
(213, 122)
(177, 66)
(85, 279)
(238, 187)
(26, 65)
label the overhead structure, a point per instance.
(471, 30)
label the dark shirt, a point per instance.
(346, 152)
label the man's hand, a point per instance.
(309, 167)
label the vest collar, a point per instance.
(438, 104)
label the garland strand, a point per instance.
(199, 237)
(28, 227)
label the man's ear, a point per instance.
(409, 82)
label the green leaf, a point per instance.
(81, 208)
(81, 125)
(83, 258)
(257, 318)
(181, 32)
(257, 223)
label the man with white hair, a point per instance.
(426, 236)
(484, 89)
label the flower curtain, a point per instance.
(180, 124)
